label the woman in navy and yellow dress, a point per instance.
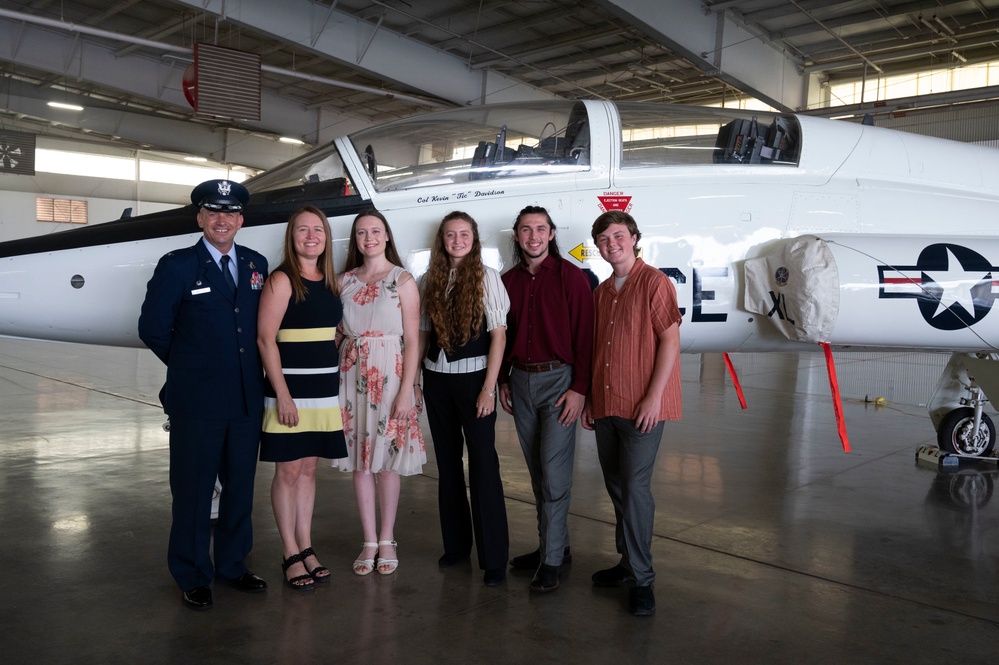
(300, 310)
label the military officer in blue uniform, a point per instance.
(200, 318)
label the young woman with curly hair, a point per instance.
(462, 340)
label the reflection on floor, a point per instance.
(772, 545)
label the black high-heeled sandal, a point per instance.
(315, 572)
(298, 583)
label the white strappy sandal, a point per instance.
(365, 566)
(390, 564)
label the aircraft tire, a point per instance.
(955, 430)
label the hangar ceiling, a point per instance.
(333, 66)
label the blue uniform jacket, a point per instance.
(206, 338)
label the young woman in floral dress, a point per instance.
(378, 368)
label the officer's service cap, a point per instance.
(220, 196)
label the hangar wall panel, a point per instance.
(17, 213)
(970, 123)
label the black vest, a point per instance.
(475, 347)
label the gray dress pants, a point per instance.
(627, 459)
(548, 449)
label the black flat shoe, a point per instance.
(546, 579)
(198, 598)
(247, 582)
(494, 577)
(641, 601)
(299, 582)
(532, 560)
(610, 577)
(320, 574)
(449, 560)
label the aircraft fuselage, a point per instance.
(908, 220)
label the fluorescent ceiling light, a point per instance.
(288, 139)
(68, 107)
(195, 159)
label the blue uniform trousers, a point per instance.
(200, 450)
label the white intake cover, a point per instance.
(797, 288)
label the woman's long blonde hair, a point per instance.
(289, 261)
(455, 315)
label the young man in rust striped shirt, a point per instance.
(636, 387)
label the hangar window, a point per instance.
(653, 135)
(70, 211)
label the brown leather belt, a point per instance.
(539, 367)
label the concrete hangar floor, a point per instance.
(772, 545)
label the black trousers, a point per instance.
(451, 413)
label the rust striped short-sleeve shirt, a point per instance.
(628, 325)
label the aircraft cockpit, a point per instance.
(654, 135)
(529, 139)
(558, 137)
(476, 143)
(744, 142)
(317, 175)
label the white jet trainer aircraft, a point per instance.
(780, 231)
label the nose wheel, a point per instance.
(957, 433)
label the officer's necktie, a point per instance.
(228, 274)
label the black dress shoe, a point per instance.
(247, 582)
(546, 579)
(610, 577)
(448, 560)
(198, 598)
(494, 577)
(641, 601)
(532, 560)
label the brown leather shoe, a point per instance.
(546, 579)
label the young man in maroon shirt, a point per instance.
(545, 378)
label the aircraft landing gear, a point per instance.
(957, 405)
(958, 433)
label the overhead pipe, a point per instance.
(936, 31)
(943, 25)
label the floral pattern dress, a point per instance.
(370, 377)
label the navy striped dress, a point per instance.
(309, 361)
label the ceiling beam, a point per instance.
(890, 55)
(718, 46)
(371, 48)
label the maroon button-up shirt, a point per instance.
(550, 318)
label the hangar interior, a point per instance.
(771, 543)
